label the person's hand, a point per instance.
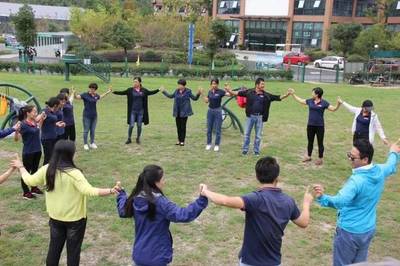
(308, 197)
(17, 126)
(118, 186)
(339, 99)
(202, 189)
(162, 89)
(395, 146)
(73, 91)
(16, 163)
(318, 190)
(227, 87)
(290, 91)
(109, 89)
(386, 142)
(200, 91)
(60, 124)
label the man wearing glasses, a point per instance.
(356, 202)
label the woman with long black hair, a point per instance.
(138, 111)
(182, 108)
(32, 150)
(153, 212)
(66, 190)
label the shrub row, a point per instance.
(161, 70)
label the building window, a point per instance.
(393, 27)
(228, 6)
(395, 9)
(364, 7)
(309, 7)
(308, 34)
(233, 25)
(343, 8)
(264, 34)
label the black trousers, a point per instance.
(69, 133)
(48, 146)
(61, 232)
(358, 136)
(31, 163)
(311, 132)
(181, 128)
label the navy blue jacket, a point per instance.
(4, 133)
(129, 96)
(182, 106)
(153, 240)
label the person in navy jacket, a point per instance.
(4, 133)
(32, 149)
(153, 212)
(182, 108)
(68, 116)
(138, 110)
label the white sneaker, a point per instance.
(93, 146)
(86, 147)
(216, 148)
(208, 147)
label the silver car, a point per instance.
(333, 62)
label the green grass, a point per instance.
(216, 237)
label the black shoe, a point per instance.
(137, 140)
(128, 141)
(244, 152)
(182, 143)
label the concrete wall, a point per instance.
(267, 8)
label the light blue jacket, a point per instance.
(356, 202)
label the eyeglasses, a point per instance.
(351, 157)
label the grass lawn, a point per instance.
(216, 237)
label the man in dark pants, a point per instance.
(257, 112)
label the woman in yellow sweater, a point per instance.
(65, 191)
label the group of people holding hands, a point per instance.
(268, 210)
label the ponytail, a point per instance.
(23, 112)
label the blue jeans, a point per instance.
(138, 117)
(214, 121)
(89, 124)
(256, 121)
(349, 248)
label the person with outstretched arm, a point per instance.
(356, 202)
(268, 211)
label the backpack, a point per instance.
(241, 101)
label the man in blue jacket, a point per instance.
(356, 202)
(4, 133)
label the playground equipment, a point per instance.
(14, 95)
(229, 118)
(88, 61)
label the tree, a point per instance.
(343, 36)
(380, 10)
(122, 35)
(368, 38)
(219, 32)
(25, 26)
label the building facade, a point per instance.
(262, 24)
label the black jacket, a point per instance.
(251, 96)
(129, 96)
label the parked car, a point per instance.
(296, 59)
(333, 62)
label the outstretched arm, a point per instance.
(7, 174)
(334, 108)
(166, 94)
(220, 199)
(106, 93)
(304, 218)
(284, 96)
(148, 92)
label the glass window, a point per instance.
(233, 25)
(229, 7)
(395, 9)
(309, 34)
(266, 35)
(343, 8)
(309, 7)
(364, 7)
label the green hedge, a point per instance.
(162, 70)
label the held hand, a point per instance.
(386, 142)
(395, 146)
(290, 91)
(200, 91)
(339, 99)
(162, 89)
(16, 163)
(118, 186)
(318, 190)
(109, 89)
(17, 126)
(202, 189)
(308, 198)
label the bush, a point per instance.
(2, 40)
(357, 58)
